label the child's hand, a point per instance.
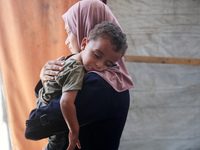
(50, 69)
(73, 141)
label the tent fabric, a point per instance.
(165, 103)
(31, 33)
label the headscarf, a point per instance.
(81, 18)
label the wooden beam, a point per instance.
(163, 60)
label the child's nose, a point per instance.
(100, 66)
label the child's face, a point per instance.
(98, 55)
(71, 41)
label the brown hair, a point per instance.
(111, 31)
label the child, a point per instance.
(105, 45)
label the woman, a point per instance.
(103, 102)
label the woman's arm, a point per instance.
(69, 113)
(51, 68)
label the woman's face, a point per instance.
(71, 41)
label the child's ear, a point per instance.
(84, 43)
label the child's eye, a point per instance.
(109, 65)
(97, 56)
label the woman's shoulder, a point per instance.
(91, 76)
(94, 80)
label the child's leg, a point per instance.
(39, 103)
(58, 142)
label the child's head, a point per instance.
(105, 45)
(111, 31)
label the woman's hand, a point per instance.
(51, 69)
(73, 141)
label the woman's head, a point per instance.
(84, 15)
(81, 18)
(71, 41)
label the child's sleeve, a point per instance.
(71, 77)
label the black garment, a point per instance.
(101, 112)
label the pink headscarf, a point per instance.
(81, 18)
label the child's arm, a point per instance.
(69, 113)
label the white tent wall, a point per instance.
(165, 103)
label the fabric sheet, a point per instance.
(31, 33)
(165, 103)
